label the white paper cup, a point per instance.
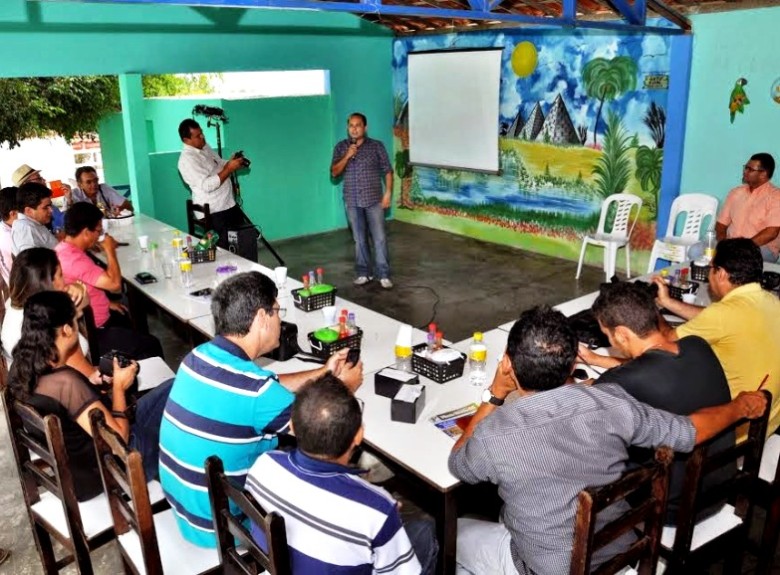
(329, 313)
(280, 273)
(689, 298)
(143, 242)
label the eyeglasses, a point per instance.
(747, 168)
(282, 311)
(361, 403)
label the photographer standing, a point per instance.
(208, 176)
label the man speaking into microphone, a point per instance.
(208, 176)
(363, 162)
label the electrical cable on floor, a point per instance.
(424, 327)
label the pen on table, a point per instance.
(763, 381)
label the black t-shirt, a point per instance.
(66, 393)
(681, 384)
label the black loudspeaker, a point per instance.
(288, 343)
(242, 241)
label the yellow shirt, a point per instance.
(744, 332)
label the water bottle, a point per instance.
(477, 361)
(185, 267)
(709, 251)
(403, 348)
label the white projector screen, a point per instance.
(453, 109)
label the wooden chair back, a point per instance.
(231, 532)
(128, 496)
(198, 219)
(645, 516)
(48, 471)
(737, 491)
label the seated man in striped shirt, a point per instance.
(222, 403)
(336, 522)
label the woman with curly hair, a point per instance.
(41, 377)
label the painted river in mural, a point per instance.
(472, 190)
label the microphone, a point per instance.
(352, 142)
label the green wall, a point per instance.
(728, 46)
(170, 194)
(69, 38)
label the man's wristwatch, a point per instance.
(488, 397)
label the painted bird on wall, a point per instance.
(739, 99)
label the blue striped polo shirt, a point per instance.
(222, 404)
(336, 522)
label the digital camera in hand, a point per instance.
(106, 365)
(244, 161)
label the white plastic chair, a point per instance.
(696, 207)
(622, 226)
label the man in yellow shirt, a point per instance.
(742, 324)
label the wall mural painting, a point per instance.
(582, 117)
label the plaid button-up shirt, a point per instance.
(364, 172)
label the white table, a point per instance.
(377, 348)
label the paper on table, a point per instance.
(152, 372)
(409, 393)
(397, 374)
(454, 422)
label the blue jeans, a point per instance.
(422, 535)
(145, 432)
(364, 221)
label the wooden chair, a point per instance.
(766, 494)
(231, 530)
(149, 543)
(645, 516)
(692, 543)
(48, 491)
(198, 219)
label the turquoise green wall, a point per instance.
(69, 38)
(170, 194)
(728, 46)
(164, 116)
(112, 147)
(287, 189)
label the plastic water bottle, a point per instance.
(709, 251)
(477, 360)
(403, 348)
(185, 267)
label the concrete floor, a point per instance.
(462, 284)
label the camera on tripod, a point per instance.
(244, 160)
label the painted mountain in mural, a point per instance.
(534, 124)
(558, 128)
(517, 126)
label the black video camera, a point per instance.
(244, 161)
(106, 365)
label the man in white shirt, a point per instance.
(8, 215)
(91, 190)
(208, 176)
(35, 211)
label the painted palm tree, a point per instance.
(613, 169)
(607, 79)
(655, 120)
(649, 163)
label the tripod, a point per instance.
(216, 121)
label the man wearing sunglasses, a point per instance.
(752, 210)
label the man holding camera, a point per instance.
(208, 176)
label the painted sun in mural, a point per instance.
(524, 58)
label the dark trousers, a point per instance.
(145, 432)
(117, 334)
(422, 535)
(225, 220)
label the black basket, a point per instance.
(700, 273)
(313, 302)
(203, 256)
(677, 292)
(438, 372)
(325, 350)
